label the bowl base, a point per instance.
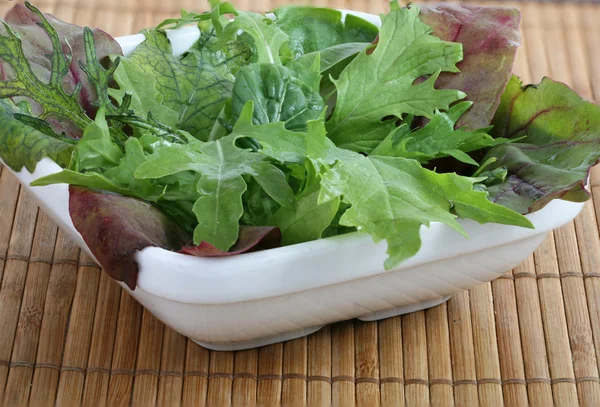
(405, 309)
(288, 336)
(257, 343)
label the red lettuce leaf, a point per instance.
(115, 228)
(561, 144)
(251, 239)
(37, 45)
(490, 37)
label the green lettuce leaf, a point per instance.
(437, 139)
(222, 165)
(381, 84)
(278, 96)
(561, 144)
(307, 219)
(312, 29)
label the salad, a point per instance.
(287, 127)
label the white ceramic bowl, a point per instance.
(265, 297)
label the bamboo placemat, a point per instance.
(69, 335)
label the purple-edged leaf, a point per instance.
(252, 238)
(490, 37)
(115, 228)
(37, 46)
(562, 143)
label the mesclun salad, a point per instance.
(289, 127)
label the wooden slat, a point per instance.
(195, 383)
(462, 350)
(270, 367)
(535, 358)
(487, 360)
(125, 351)
(438, 356)
(555, 325)
(59, 298)
(26, 337)
(103, 338)
(77, 344)
(221, 378)
(170, 384)
(342, 364)
(319, 368)
(245, 378)
(294, 372)
(510, 352)
(416, 373)
(147, 366)
(13, 279)
(367, 364)
(391, 362)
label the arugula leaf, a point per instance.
(23, 146)
(313, 29)
(277, 95)
(437, 139)
(222, 165)
(561, 144)
(96, 149)
(490, 37)
(379, 85)
(185, 86)
(186, 18)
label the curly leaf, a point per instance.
(381, 84)
(40, 58)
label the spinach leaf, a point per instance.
(277, 95)
(312, 29)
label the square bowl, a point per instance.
(260, 298)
